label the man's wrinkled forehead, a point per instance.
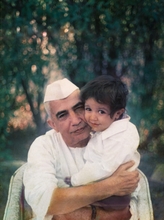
(59, 90)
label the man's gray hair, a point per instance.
(47, 108)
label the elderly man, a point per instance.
(59, 154)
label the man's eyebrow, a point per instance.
(61, 112)
(78, 104)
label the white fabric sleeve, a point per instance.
(89, 173)
(39, 178)
(107, 162)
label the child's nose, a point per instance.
(93, 116)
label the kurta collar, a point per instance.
(116, 127)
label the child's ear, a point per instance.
(52, 125)
(119, 113)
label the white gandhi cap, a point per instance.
(59, 89)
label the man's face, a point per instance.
(67, 117)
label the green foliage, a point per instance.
(22, 60)
(84, 38)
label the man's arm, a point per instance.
(65, 200)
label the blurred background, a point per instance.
(45, 40)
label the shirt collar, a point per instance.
(116, 127)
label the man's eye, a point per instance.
(79, 108)
(61, 116)
(87, 109)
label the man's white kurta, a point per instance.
(49, 162)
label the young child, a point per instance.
(114, 140)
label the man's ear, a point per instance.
(119, 113)
(52, 124)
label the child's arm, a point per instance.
(107, 164)
(89, 173)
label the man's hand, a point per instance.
(124, 182)
(67, 200)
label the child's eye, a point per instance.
(102, 112)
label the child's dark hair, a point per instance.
(108, 90)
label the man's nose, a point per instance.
(75, 118)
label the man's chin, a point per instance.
(82, 139)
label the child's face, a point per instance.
(97, 115)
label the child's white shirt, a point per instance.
(107, 150)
